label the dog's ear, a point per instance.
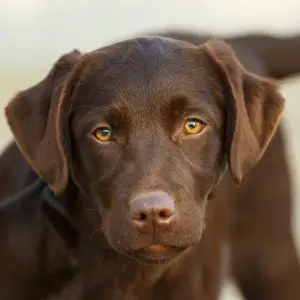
(253, 104)
(38, 119)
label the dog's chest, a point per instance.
(186, 289)
(112, 277)
(149, 284)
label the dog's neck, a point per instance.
(111, 273)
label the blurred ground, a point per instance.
(34, 33)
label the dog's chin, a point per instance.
(157, 254)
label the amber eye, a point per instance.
(103, 134)
(193, 126)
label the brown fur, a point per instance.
(144, 89)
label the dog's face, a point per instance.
(148, 131)
(142, 128)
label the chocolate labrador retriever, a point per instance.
(129, 143)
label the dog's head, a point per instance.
(142, 128)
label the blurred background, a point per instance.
(33, 33)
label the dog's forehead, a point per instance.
(146, 46)
(143, 56)
(142, 69)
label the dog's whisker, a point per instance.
(100, 228)
(90, 209)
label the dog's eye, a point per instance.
(103, 134)
(193, 126)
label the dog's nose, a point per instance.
(155, 209)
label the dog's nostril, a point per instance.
(156, 209)
(140, 217)
(143, 217)
(164, 214)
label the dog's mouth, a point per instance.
(157, 254)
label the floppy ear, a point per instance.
(254, 107)
(38, 118)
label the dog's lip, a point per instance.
(159, 249)
(159, 252)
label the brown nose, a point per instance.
(152, 209)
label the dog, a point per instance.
(135, 142)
